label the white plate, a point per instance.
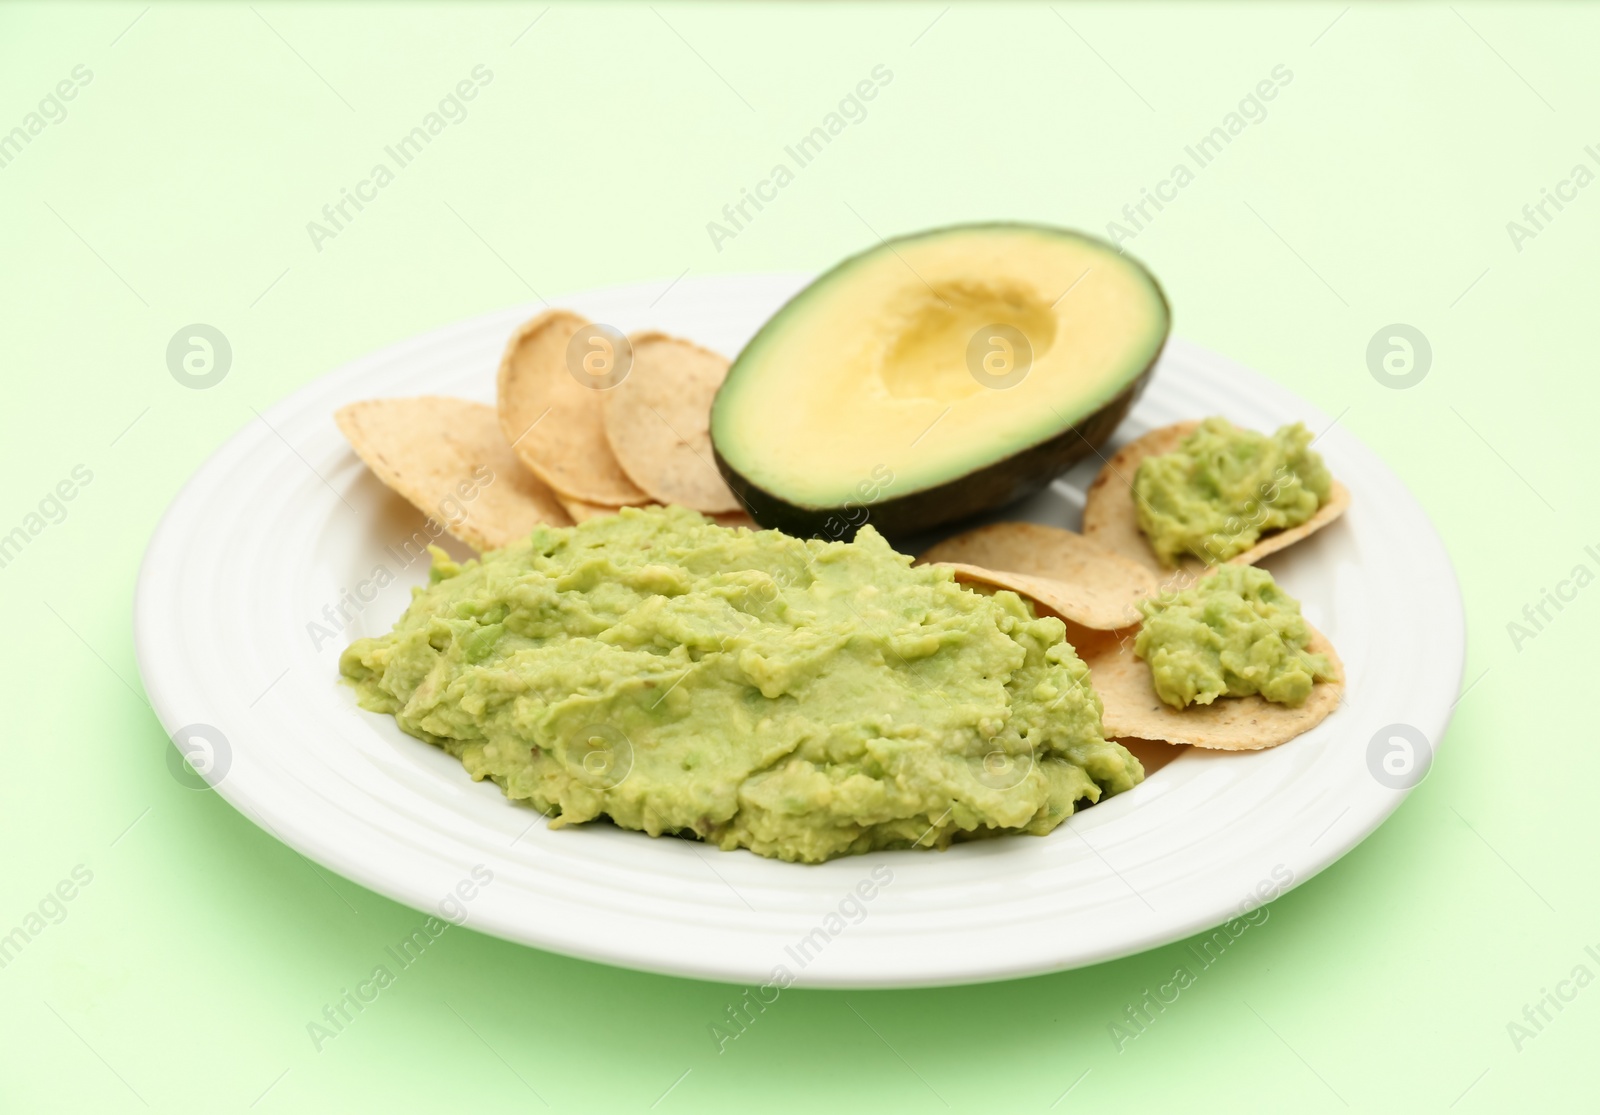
(284, 519)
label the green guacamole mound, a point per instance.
(802, 699)
(1223, 487)
(1231, 634)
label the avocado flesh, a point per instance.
(866, 397)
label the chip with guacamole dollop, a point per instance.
(1234, 632)
(802, 699)
(1223, 487)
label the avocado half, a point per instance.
(935, 376)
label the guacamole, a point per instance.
(802, 699)
(1223, 487)
(1231, 634)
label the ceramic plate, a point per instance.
(269, 561)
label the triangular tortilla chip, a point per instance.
(1152, 754)
(1111, 518)
(1075, 577)
(582, 512)
(735, 519)
(448, 457)
(1227, 724)
(658, 422)
(554, 422)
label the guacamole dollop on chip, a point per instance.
(1233, 633)
(802, 699)
(1223, 487)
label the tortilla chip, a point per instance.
(554, 422)
(1152, 754)
(582, 512)
(1109, 514)
(1273, 541)
(1073, 576)
(1111, 518)
(658, 423)
(1226, 724)
(431, 451)
(739, 518)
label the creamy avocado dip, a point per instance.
(802, 699)
(1231, 634)
(1223, 487)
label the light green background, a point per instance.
(1378, 190)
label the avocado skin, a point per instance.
(1006, 480)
